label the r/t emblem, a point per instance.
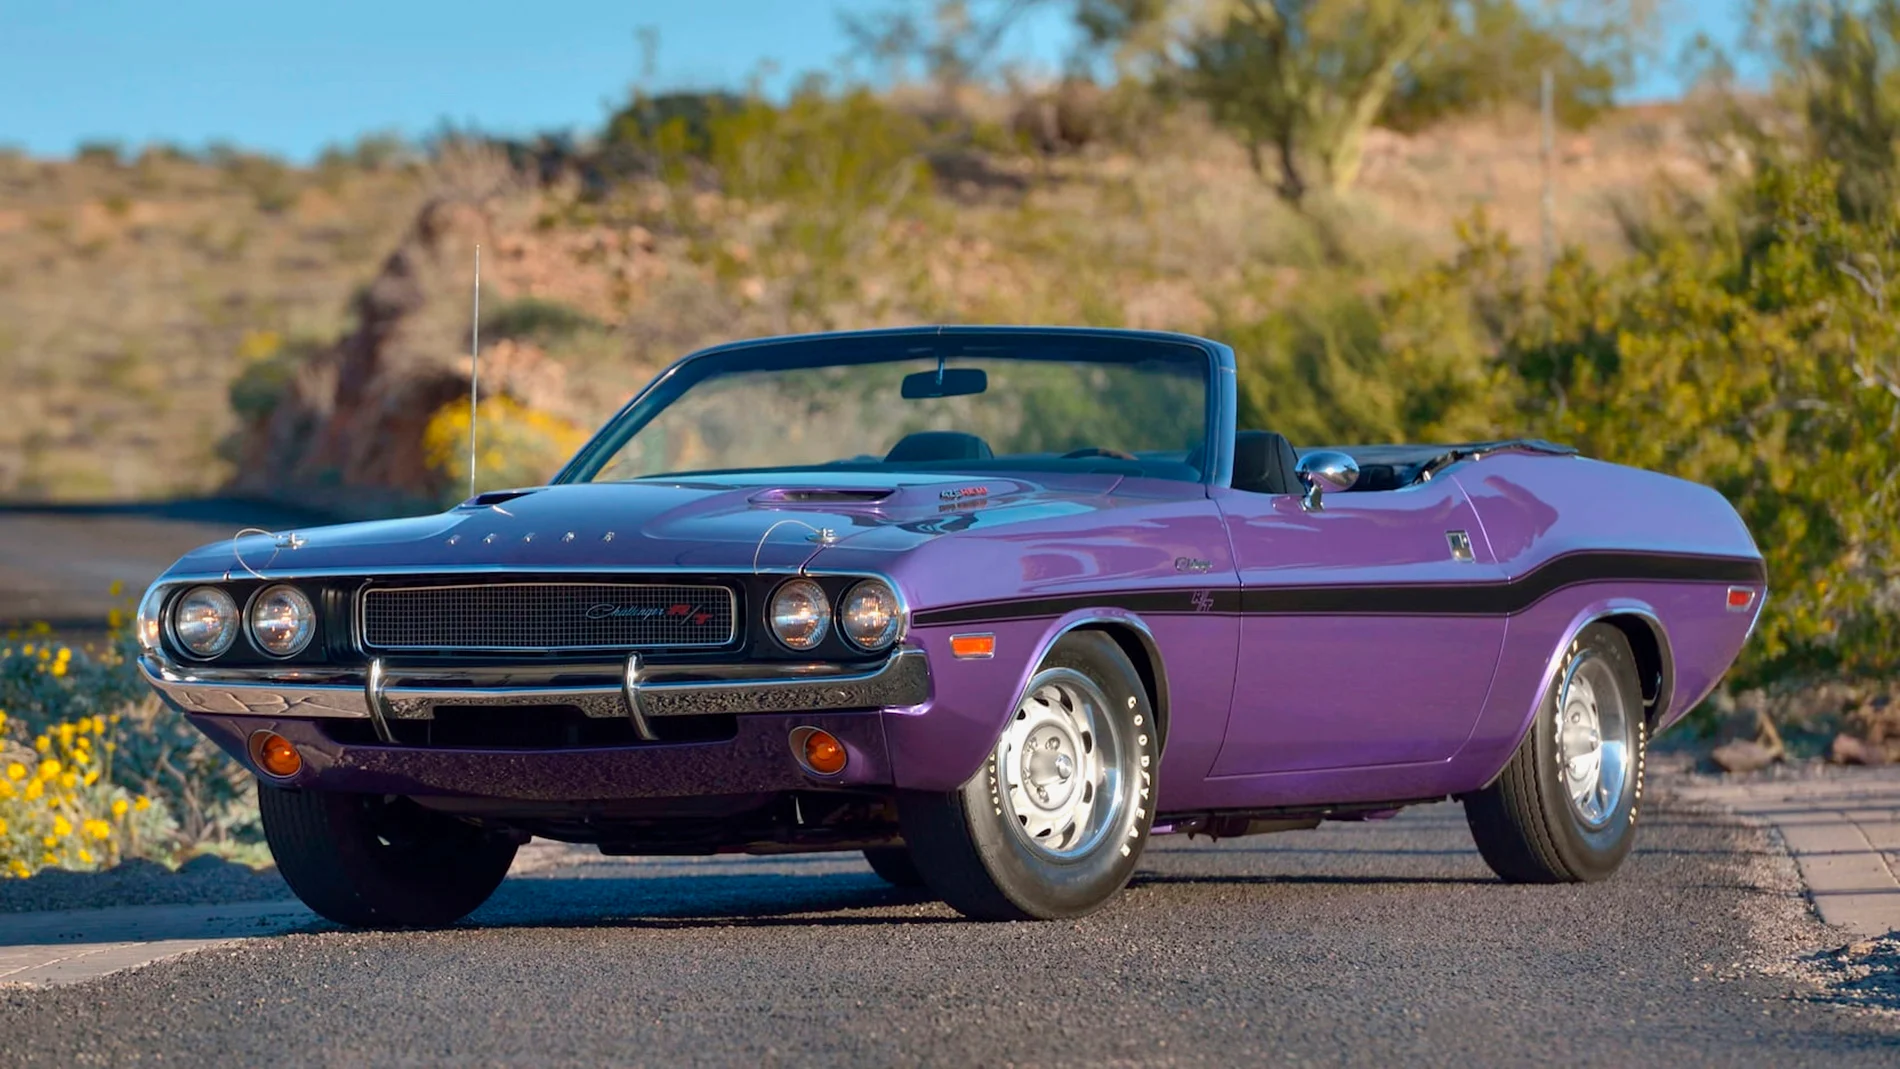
(1203, 601)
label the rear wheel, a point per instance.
(369, 861)
(1564, 810)
(1054, 822)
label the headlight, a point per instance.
(870, 616)
(147, 622)
(283, 621)
(800, 614)
(205, 621)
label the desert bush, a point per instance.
(516, 445)
(61, 806)
(533, 318)
(112, 740)
(1753, 352)
(807, 192)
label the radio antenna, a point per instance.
(474, 366)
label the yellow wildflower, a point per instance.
(111, 746)
(91, 777)
(6, 789)
(141, 804)
(26, 650)
(65, 653)
(42, 744)
(84, 856)
(80, 756)
(68, 779)
(98, 829)
(49, 842)
(58, 669)
(46, 653)
(119, 806)
(62, 827)
(99, 723)
(66, 734)
(49, 769)
(3, 825)
(33, 791)
(16, 770)
(49, 858)
(3, 718)
(18, 868)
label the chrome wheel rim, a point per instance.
(1059, 766)
(1593, 739)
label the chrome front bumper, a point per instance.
(641, 692)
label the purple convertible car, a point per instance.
(991, 605)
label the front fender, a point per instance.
(938, 746)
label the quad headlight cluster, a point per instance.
(205, 621)
(869, 616)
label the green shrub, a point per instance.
(531, 318)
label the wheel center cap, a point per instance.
(1049, 768)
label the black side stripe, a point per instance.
(1418, 599)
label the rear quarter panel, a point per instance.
(1535, 509)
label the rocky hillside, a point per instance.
(174, 326)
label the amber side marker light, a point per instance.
(275, 755)
(819, 751)
(972, 647)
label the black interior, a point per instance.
(924, 446)
(1264, 463)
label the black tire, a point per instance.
(894, 866)
(974, 850)
(370, 862)
(1526, 823)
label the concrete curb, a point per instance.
(1843, 831)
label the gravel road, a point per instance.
(1370, 944)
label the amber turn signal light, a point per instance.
(819, 751)
(275, 755)
(972, 647)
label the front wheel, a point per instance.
(369, 861)
(1564, 809)
(1054, 822)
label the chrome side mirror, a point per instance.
(1325, 472)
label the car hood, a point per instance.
(766, 521)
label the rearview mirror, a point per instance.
(945, 382)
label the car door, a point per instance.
(1361, 642)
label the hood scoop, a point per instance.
(494, 497)
(820, 495)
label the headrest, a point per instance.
(1265, 463)
(938, 445)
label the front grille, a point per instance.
(548, 616)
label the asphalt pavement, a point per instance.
(1378, 944)
(1385, 943)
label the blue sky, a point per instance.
(291, 78)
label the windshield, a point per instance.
(1027, 401)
